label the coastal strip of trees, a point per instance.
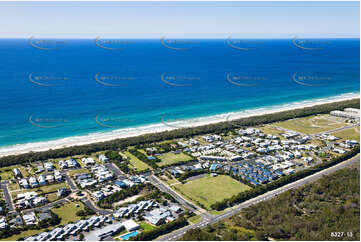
(120, 144)
(246, 195)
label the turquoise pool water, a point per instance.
(127, 236)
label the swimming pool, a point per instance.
(127, 236)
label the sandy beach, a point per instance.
(163, 125)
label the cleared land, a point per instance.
(171, 158)
(136, 163)
(77, 171)
(209, 190)
(268, 129)
(312, 124)
(353, 133)
(6, 175)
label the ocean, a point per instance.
(57, 88)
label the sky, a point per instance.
(179, 19)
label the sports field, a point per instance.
(171, 158)
(312, 124)
(209, 190)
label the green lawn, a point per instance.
(77, 171)
(53, 187)
(171, 158)
(195, 219)
(352, 133)
(215, 212)
(268, 129)
(312, 124)
(24, 234)
(52, 197)
(6, 175)
(171, 181)
(6, 172)
(67, 212)
(24, 171)
(13, 186)
(136, 163)
(146, 226)
(209, 190)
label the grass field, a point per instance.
(352, 133)
(136, 163)
(13, 186)
(312, 124)
(172, 181)
(24, 171)
(23, 234)
(268, 129)
(171, 158)
(195, 219)
(209, 190)
(6, 175)
(146, 226)
(77, 171)
(67, 212)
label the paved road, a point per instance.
(286, 130)
(115, 170)
(165, 188)
(46, 206)
(335, 130)
(70, 182)
(90, 205)
(7, 196)
(236, 209)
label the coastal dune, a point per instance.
(164, 125)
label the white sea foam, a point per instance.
(163, 126)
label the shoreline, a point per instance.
(165, 126)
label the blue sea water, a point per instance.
(52, 89)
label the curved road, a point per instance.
(236, 209)
(90, 205)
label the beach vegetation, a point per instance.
(222, 127)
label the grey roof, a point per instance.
(44, 215)
(104, 232)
